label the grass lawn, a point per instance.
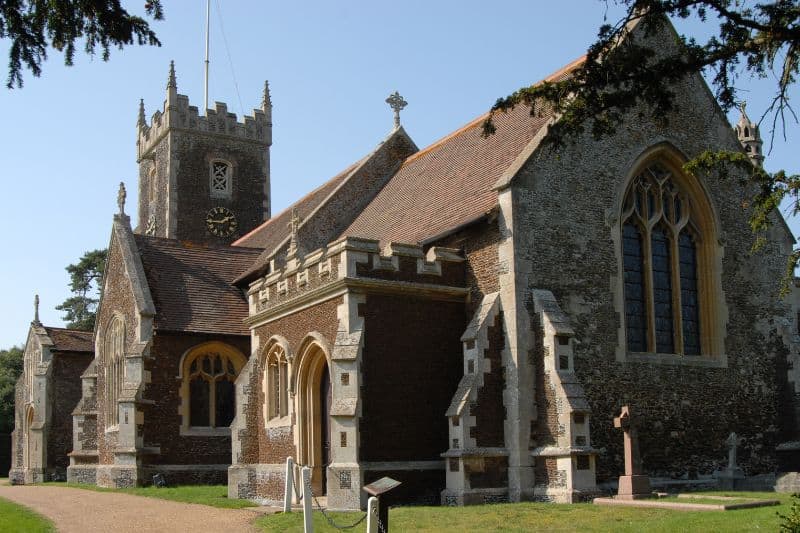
(213, 495)
(555, 517)
(16, 518)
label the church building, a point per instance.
(466, 318)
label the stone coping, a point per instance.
(681, 506)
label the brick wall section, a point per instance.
(563, 203)
(411, 365)
(117, 298)
(479, 244)
(489, 472)
(162, 420)
(489, 411)
(274, 445)
(66, 393)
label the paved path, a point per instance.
(79, 511)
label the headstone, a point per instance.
(634, 484)
(727, 477)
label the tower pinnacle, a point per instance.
(142, 122)
(172, 83)
(749, 136)
(266, 100)
(36, 310)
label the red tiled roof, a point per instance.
(272, 232)
(448, 183)
(70, 340)
(191, 285)
(451, 182)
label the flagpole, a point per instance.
(208, 32)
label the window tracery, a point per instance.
(114, 364)
(276, 384)
(209, 392)
(661, 265)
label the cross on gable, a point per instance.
(397, 103)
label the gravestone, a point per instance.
(727, 477)
(634, 484)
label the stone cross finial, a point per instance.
(36, 309)
(294, 224)
(172, 83)
(121, 196)
(397, 103)
(266, 100)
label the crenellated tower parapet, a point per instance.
(178, 113)
(202, 178)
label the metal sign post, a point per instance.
(379, 490)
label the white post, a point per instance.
(372, 515)
(287, 493)
(308, 522)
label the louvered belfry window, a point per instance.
(660, 264)
(221, 176)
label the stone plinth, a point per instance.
(634, 487)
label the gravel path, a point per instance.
(79, 511)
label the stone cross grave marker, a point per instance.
(733, 441)
(634, 484)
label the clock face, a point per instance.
(221, 221)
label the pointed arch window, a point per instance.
(114, 368)
(661, 235)
(208, 389)
(276, 384)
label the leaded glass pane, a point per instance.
(662, 291)
(690, 311)
(198, 405)
(226, 403)
(635, 314)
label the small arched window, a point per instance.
(276, 384)
(661, 236)
(208, 391)
(221, 178)
(114, 368)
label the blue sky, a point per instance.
(68, 138)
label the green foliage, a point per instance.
(10, 370)
(35, 25)
(621, 75)
(15, 518)
(790, 521)
(86, 281)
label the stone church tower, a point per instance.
(203, 179)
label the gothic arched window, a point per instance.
(114, 365)
(661, 263)
(221, 178)
(207, 389)
(276, 384)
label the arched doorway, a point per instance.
(313, 407)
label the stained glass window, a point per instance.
(212, 395)
(660, 266)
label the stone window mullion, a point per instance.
(675, 268)
(647, 263)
